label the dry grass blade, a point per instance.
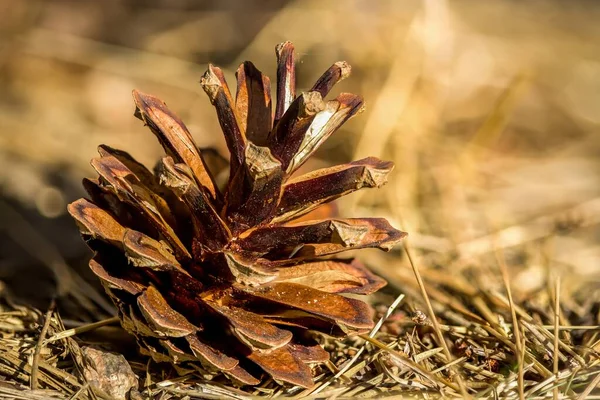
(207, 392)
(350, 362)
(438, 331)
(412, 365)
(593, 384)
(82, 329)
(519, 340)
(14, 392)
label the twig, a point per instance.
(39, 345)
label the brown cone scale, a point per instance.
(230, 279)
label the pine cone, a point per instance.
(221, 280)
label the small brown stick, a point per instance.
(39, 345)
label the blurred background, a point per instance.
(490, 110)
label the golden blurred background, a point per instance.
(490, 110)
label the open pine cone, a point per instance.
(221, 280)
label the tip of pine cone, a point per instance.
(345, 69)
(211, 82)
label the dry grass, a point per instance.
(488, 109)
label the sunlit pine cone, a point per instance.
(221, 279)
